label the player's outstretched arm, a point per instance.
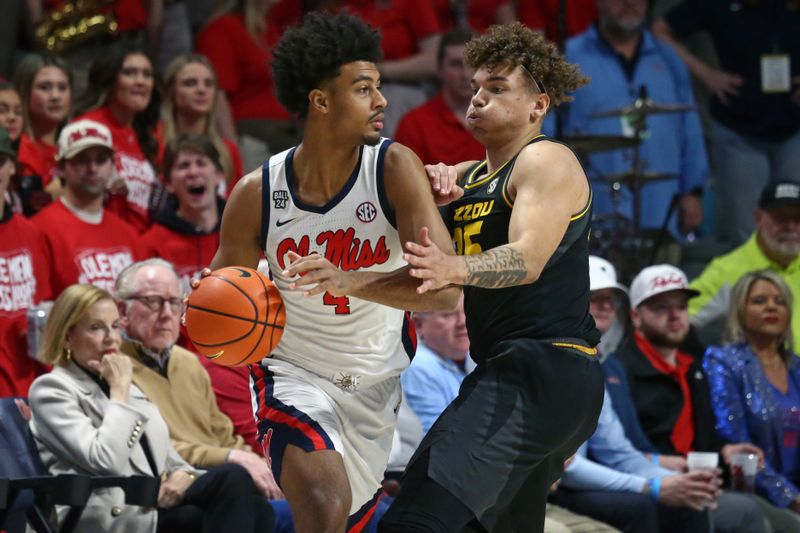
(240, 231)
(549, 188)
(409, 195)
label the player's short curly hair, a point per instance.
(312, 53)
(514, 44)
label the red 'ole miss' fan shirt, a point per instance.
(24, 282)
(82, 252)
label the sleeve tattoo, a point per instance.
(496, 268)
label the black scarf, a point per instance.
(103, 384)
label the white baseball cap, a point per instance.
(80, 135)
(603, 275)
(658, 279)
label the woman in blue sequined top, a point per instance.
(755, 383)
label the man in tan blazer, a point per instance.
(150, 303)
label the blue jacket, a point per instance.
(674, 143)
(619, 392)
(746, 410)
(430, 383)
(608, 461)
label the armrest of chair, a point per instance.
(139, 490)
(4, 489)
(65, 489)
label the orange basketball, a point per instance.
(235, 316)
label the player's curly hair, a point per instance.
(312, 53)
(514, 44)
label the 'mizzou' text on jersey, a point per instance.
(473, 211)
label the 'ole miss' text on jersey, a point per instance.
(556, 306)
(355, 230)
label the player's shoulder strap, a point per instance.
(380, 179)
(264, 202)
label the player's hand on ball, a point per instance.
(315, 269)
(428, 263)
(443, 180)
(193, 284)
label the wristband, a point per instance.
(655, 488)
(655, 457)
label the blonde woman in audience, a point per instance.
(44, 84)
(191, 105)
(89, 418)
(755, 389)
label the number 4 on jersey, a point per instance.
(341, 303)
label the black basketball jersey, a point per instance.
(554, 307)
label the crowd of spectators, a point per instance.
(119, 148)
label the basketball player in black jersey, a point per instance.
(521, 232)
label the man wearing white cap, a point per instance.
(604, 302)
(668, 385)
(88, 243)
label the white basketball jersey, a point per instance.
(345, 339)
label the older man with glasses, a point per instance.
(151, 302)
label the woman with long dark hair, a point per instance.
(122, 96)
(44, 84)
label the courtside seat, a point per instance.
(28, 493)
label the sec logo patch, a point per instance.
(366, 212)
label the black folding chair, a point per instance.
(29, 493)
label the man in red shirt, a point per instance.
(436, 130)
(24, 282)
(186, 231)
(89, 244)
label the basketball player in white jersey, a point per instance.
(335, 209)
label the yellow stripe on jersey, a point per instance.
(504, 191)
(469, 183)
(585, 210)
(582, 349)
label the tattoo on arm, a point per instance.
(497, 268)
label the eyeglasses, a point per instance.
(603, 300)
(156, 303)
